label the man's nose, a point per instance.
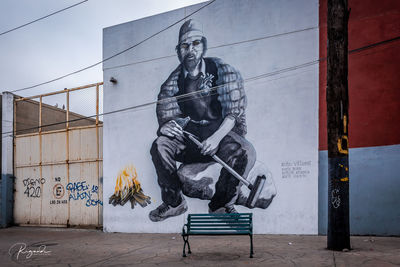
(191, 47)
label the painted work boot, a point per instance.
(165, 211)
(223, 210)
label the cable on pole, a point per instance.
(117, 54)
(133, 46)
(41, 18)
(213, 89)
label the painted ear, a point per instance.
(178, 53)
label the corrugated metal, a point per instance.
(27, 203)
(59, 175)
(55, 191)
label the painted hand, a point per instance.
(210, 146)
(171, 129)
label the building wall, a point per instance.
(282, 111)
(27, 117)
(374, 119)
(7, 177)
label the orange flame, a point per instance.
(127, 179)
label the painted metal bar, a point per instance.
(60, 92)
(97, 104)
(67, 113)
(59, 131)
(43, 225)
(57, 163)
(97, 149)
(67, 153)
(40, 154)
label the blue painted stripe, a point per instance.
(374, 191)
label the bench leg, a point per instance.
(251, 246)
(185, 241)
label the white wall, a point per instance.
(281, 115)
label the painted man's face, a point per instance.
(191, 51)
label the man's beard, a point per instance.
(190, 64)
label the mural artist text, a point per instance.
(296, 169)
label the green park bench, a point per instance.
(218, 224)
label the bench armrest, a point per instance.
(183, 229)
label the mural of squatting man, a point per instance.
(214, 112)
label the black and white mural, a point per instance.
(212, 115)
(203, 98)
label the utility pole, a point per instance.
(337, 120)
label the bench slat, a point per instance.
(220, 233)
(220, 217)
(218, 229)
(219, 220)
(219, 224)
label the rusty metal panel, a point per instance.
(28, 150)
(27, 195)
(59, 173)
(83, 192)
(54, 147)
(82, 144)
(54, 196)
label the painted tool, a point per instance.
(255, 189)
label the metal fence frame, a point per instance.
(67, 129)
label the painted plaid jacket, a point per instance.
(229, 87)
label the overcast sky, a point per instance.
(65, 42)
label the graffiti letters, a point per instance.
(335, 198)
(83, 191)
(33, 187)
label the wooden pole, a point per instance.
(337, 122)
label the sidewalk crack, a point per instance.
(334, 259)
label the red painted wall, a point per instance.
(374, 74)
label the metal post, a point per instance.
(67, 151)
(41, 154)
(337, 121)
(99, 207)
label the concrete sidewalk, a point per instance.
(74, 247)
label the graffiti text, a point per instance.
(83, 191)
(32, 186)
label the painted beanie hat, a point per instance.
(190, 28)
